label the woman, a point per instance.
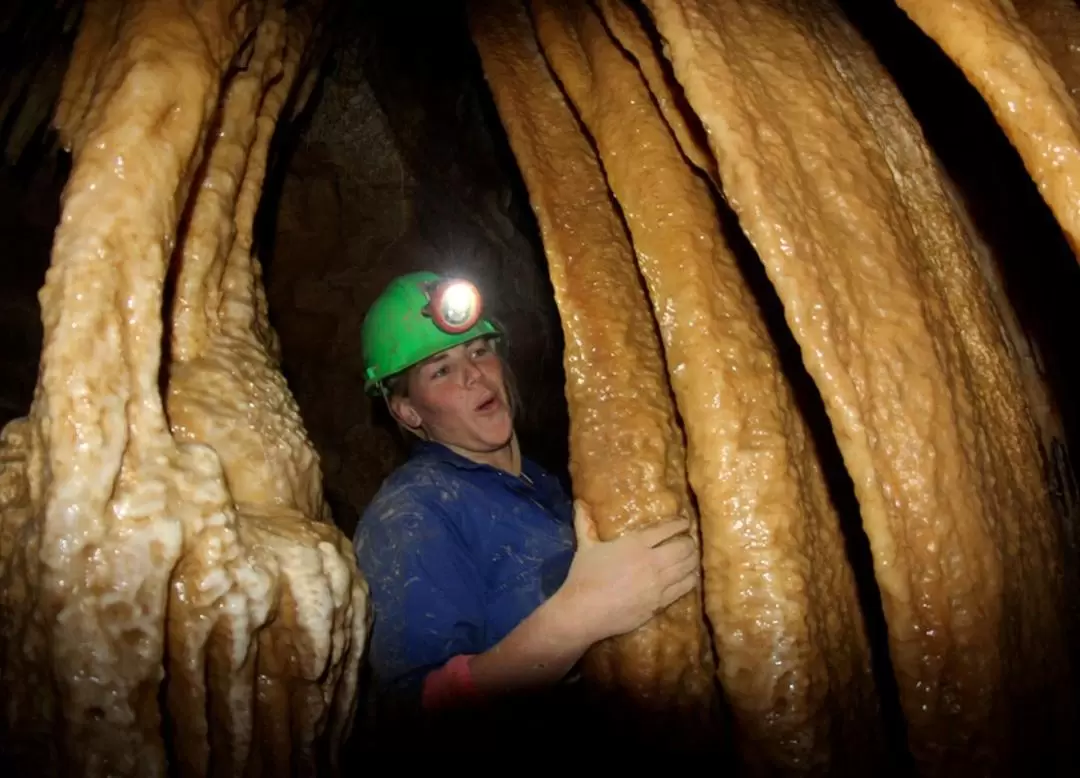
(479, 588)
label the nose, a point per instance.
(472, 373)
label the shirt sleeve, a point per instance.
(426, 592)
(449, 685)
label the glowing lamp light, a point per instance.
(455, 305)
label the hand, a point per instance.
(616, 586)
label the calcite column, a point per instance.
(833, 184)
(628, 459)
(792, 655)
(174, 597)
(1014, 72)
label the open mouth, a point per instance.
(490, 404)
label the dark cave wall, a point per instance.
(29, 212)
(35, 43)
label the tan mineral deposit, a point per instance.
(175, 598)
(171, 573)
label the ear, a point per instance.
(404, 412)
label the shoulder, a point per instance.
(538, 472)
(415, 500)
(419, 484)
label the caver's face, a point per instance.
(458, 398)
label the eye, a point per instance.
(439, 372)
(481, 350)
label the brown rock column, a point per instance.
(1014, 72)
(1056, 23)
(791, 652)
(627, 452)
(833, 185)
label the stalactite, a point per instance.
(1012, 69)
(627, 453)
(882, 295)
(174, 593)
(627, 28)
(792, 655)
(938, 425)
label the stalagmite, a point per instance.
(792, 655)
(1013, 70)
(832, 183)
(627, 453)
(174, 597)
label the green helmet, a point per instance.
(417, 316)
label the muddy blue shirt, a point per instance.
(457, 554)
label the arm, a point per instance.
(425, 591)
(612, 588)
(538, 652)
(429, 616)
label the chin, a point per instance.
(496, 436)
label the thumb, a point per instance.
(584, 526)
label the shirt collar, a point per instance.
(440, 453)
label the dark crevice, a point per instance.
(287, 137)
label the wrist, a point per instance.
(566, 622)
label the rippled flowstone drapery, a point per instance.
(939, 425)
(174, 594)
(666, 666)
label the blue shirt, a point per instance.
(457, 554)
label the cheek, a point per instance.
(441, 405)
(493, 373)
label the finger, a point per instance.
(584, 526)
(684, 568)
(673, 551)
(658, 533)
(679, 589)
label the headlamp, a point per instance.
(455, 305)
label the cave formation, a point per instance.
(801, 271)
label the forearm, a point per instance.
(539, 652)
